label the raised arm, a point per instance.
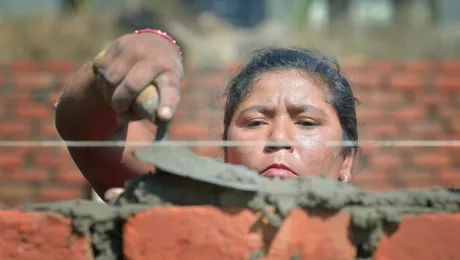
(94, 108)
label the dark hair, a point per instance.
(317, 65)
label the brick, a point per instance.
(450, 66)
(70, 176)
(59, 66)
(10, 160)
(447, 83)
(384, 161)
(23, 66)
(15, 192)
(407, 81)
(31, 235)
(385, 99)
(386, 130)
(424, 130)
(210, 233)
(15, 127)
(215, 81)
(433, 160)
(450, 178)
(48, 129)
(189, 130)
(372, 80)
(49, 160)
(368, 115)
(27, 81)
(29, 175)
(381, 66)
(410, 112)
(427, 99)
(33, 111)
(437, 237)
(418, 66)
(60, 193)
(212, 152)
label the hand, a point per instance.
(133, 62)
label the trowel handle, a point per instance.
(146, 103)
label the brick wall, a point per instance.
(211, 233)
(400, 101)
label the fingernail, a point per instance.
(165, 113)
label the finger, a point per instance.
(113, 193)
(168, 88)
(135, 81)
(103, 60)
(118, 69)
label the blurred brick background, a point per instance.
(399, 101)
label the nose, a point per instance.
(279, 137)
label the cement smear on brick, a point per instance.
(183, 178)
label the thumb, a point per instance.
(113, 193)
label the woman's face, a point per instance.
(288, 106)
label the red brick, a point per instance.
(48, 129)
(419, 66)
(407, 81)
(29, 175)
(60, 193)
(367, 115)
(352, 65)
(433, 160)
(383, 161)
(25, 81)
(10, 160)
(450, 178)
(30, 235)
(18, 193)
(15, 127)
(448, 83)
(425, 99)
(189, 130)
(410, 112)
(381, 66)
(212, 152)
(70, 176)
(424, 130)
(36, 112)
(23, 66)
(215, 81)
(431, 236)
(385, 99)
(450, 66)
(59, 66)
(49, 160)
(209, 233)
(372, 80)
(386, 130)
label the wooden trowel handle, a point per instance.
(146, 103)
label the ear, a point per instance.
(347, 165)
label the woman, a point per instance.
(281, 95)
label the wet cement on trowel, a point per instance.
(184, 178)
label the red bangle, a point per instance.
(163, 34)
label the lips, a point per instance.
(278, 170)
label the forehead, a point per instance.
(291, 85)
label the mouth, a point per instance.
(278, 170)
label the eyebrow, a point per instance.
(300, 107)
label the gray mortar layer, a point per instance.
(184, 178)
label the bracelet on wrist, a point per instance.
(162, 34)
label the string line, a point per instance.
(217, 143)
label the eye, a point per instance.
(307, 123)
(254, 123)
